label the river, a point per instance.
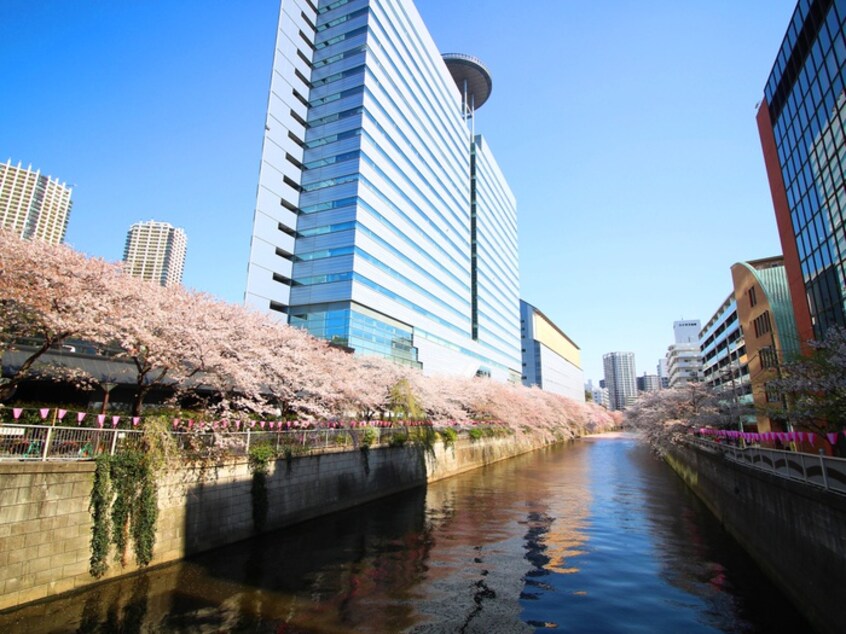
(592, 537)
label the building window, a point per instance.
(769, 359)
(753, 297)
(762, 324)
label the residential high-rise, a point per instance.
(620, 378)
(382, 221)
(155, 251)
(32, 205)
(551, 360)
(801, 124)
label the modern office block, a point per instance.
(801, 124)
(551, 360)
(382, 221)
(155, 251)
(765, 314)
(33, 206)
(620, 378)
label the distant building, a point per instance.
(802, 125)
(683, 361)
(551, 360)
(620, 378)
(155, 251)
(765, 313)
(599, 394)
(648, 383)
(33, 206)
(663, 374)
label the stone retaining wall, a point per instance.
(796, 532)
(45, 524)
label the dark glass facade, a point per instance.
(805, 120)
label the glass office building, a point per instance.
(382, 222)
(801, 122)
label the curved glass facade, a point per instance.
(806, 104)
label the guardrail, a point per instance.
(826, 472)
(46, 442)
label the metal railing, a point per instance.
(826, 472)
(46, 442)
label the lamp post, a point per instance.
(107, 388)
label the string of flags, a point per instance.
(771, 436)
(179, 424)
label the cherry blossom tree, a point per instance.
(49, 294)
(815, 385)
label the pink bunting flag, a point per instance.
(263, 423)
(832, 438)
(175, 423)
(272, 424)
(237, 424)
(101, 418)
(16, 412)
(801, 436)
(812, 437)
(115, 421)
(61, 413)
(135, 420)
(44, 411)
(252, 423)
(80, 416)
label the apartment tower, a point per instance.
(33, 206)
(620, 378)
(155, 251)
(382, 221)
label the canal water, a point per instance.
(596, 536)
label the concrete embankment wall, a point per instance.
(45, 523)
(796, 532)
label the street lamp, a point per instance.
(107, 387)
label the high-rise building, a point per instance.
(620, 378)
(684, 364)
(551, 360)
(33, 206)
(382, 221)
(155, 251)
(801, 123)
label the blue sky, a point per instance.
(626, 130)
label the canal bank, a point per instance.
(794, 531)
(45, 522)
(585, 537)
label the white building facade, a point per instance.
(382, 223)
(33, 206)
(155, 251)
(684, 363)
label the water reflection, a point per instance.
(594, 537)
